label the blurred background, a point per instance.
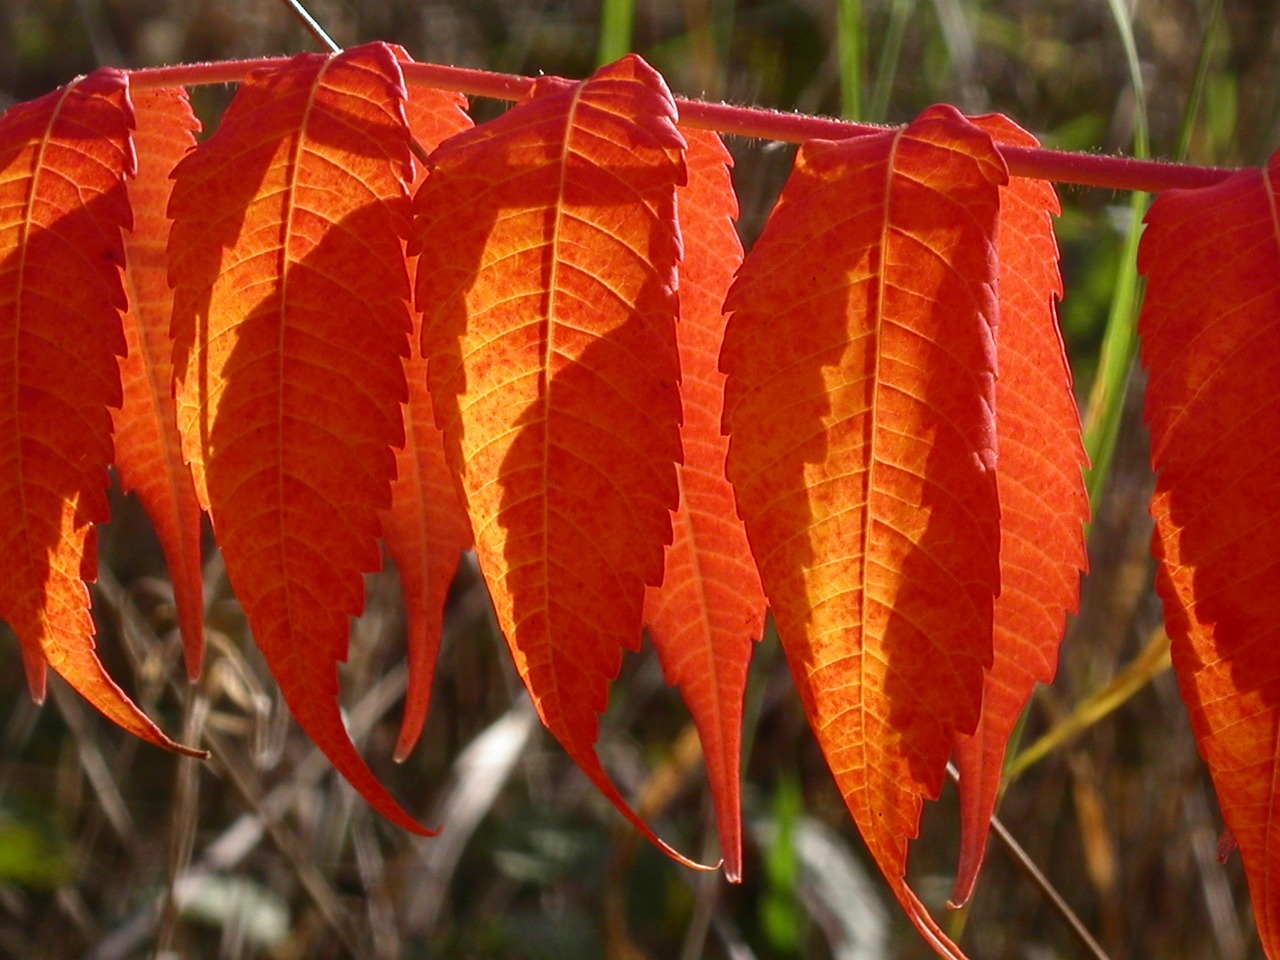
(111, 849)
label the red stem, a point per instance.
(1086, 169)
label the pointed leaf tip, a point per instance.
(710, 607)
(425, 529)
(547, 280)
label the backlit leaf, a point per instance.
(425, 530)
(710, 606)
(860, 407)
(63, 159)
(1043, 501)
(148, 448)
(291, 322)
(1211, 342)
(547, 283)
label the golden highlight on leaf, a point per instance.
(1211, 344)
(290, 325)
(710, 607)
(547, 282)
(63, 160)
(860, 407)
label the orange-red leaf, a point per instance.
(1211, 342)
(63, 159)
(425, 529)
(1043, 501)
(426, 532)
(860, 410)
(547, 282)
(710, 606)
(290, 325)
(148, 448)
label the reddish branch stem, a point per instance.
(1087, 169)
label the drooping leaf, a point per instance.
(710, 607)
(148, 454)
(547, 283)
(290, 325)
(860, 407)
(1043, 501)
(425, 530)
(63, 160)
(1211, 343)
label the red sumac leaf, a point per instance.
(710, 607)
(290, 326)
(1211, 344)
(425, 529)
(860, 407)
(148, 455)
(63, 160)
(547, 282)
(1043, 501)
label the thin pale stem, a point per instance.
(1037, 877)
(1050, 892)
(1085, 169)
(312, 25)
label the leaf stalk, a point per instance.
(1083, 169)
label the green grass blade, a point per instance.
(617, 26)
(1151, 662)
(1105, 405)
(1124, 25)
(851, 48)
(1198, 84)
(1115, 362)
(1120, 342)
(900, 12)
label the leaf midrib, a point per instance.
(289, 197)
(548, 354)
(869, 485)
